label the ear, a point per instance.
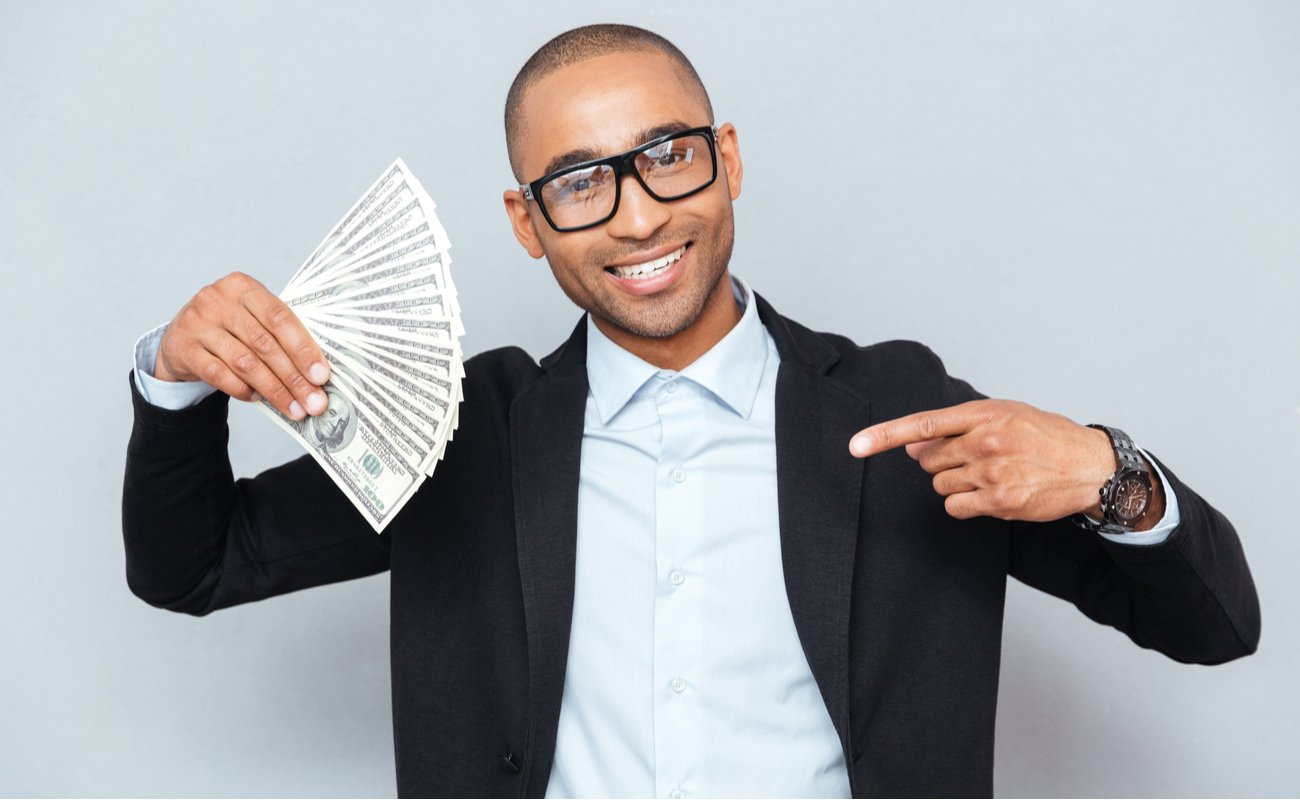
(521, 221)
(729, 152)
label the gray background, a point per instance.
(1092, 207)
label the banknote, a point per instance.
(377, 296)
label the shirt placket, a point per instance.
(677, 595)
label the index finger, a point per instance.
(920, 427)
(290, 333)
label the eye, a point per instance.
(670, 156)
(578, 186)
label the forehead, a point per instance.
(602, 105)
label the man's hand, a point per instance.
(239, 338)
(1004, 459)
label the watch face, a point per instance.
(1131, 498)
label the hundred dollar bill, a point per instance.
(377, 295)
(352, 451)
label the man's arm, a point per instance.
(196, 539)
(1188, 594)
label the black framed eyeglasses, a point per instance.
(668, 168)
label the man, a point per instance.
(689, 553)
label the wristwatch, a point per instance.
(1126, 496)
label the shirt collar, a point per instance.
(732, 369)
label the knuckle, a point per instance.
(298, 384)
(279, 315)
(926, 427)
(990, 410)
(263, 342)
(237, 279)
(209, 295)
(244, 361)
(210, 372)
(992, 443)
(1003, 500)
(279, 396)
(190, 315)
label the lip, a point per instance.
(660, 282)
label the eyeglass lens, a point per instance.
(670, 170)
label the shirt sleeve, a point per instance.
(171, 395)
(1167, 523)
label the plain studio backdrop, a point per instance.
(1093, 207)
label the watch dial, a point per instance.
(1131, 498)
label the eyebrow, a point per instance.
(583, 154)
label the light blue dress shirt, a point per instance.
(685, 676)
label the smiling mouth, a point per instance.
(648, 269)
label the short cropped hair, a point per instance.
(581, 44)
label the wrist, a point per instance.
(160, 370)
(1128, 500)
(1101, 466)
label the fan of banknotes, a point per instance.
(378, 298)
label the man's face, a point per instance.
(604, 106)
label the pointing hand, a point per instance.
(1000, 458)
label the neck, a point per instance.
(677, 352)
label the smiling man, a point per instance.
(699, 549)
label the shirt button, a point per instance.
(671, 386)
(677, 577)
(677, 794)
(679, 474)
(679, 685)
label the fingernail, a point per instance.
(319, 373)
(315, 403)
(861, 445)
(295, 410)
(256, 398)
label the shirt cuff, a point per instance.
(1167, 523)
(171, 395)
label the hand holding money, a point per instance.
(239, 338)
(358, 358)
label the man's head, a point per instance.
(582, 44)
(595, 92)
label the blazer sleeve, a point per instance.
(1190, 597)
(197, 540)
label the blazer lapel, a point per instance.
(546, 423)
(819, 495)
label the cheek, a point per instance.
(571, 259)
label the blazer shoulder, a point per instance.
(500, 374)
(895, 367)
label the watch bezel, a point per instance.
(1112, 510)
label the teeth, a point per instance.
(650, 268)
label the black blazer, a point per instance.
(897, 605)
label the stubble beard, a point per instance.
(668, 317)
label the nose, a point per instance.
(639, 215)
